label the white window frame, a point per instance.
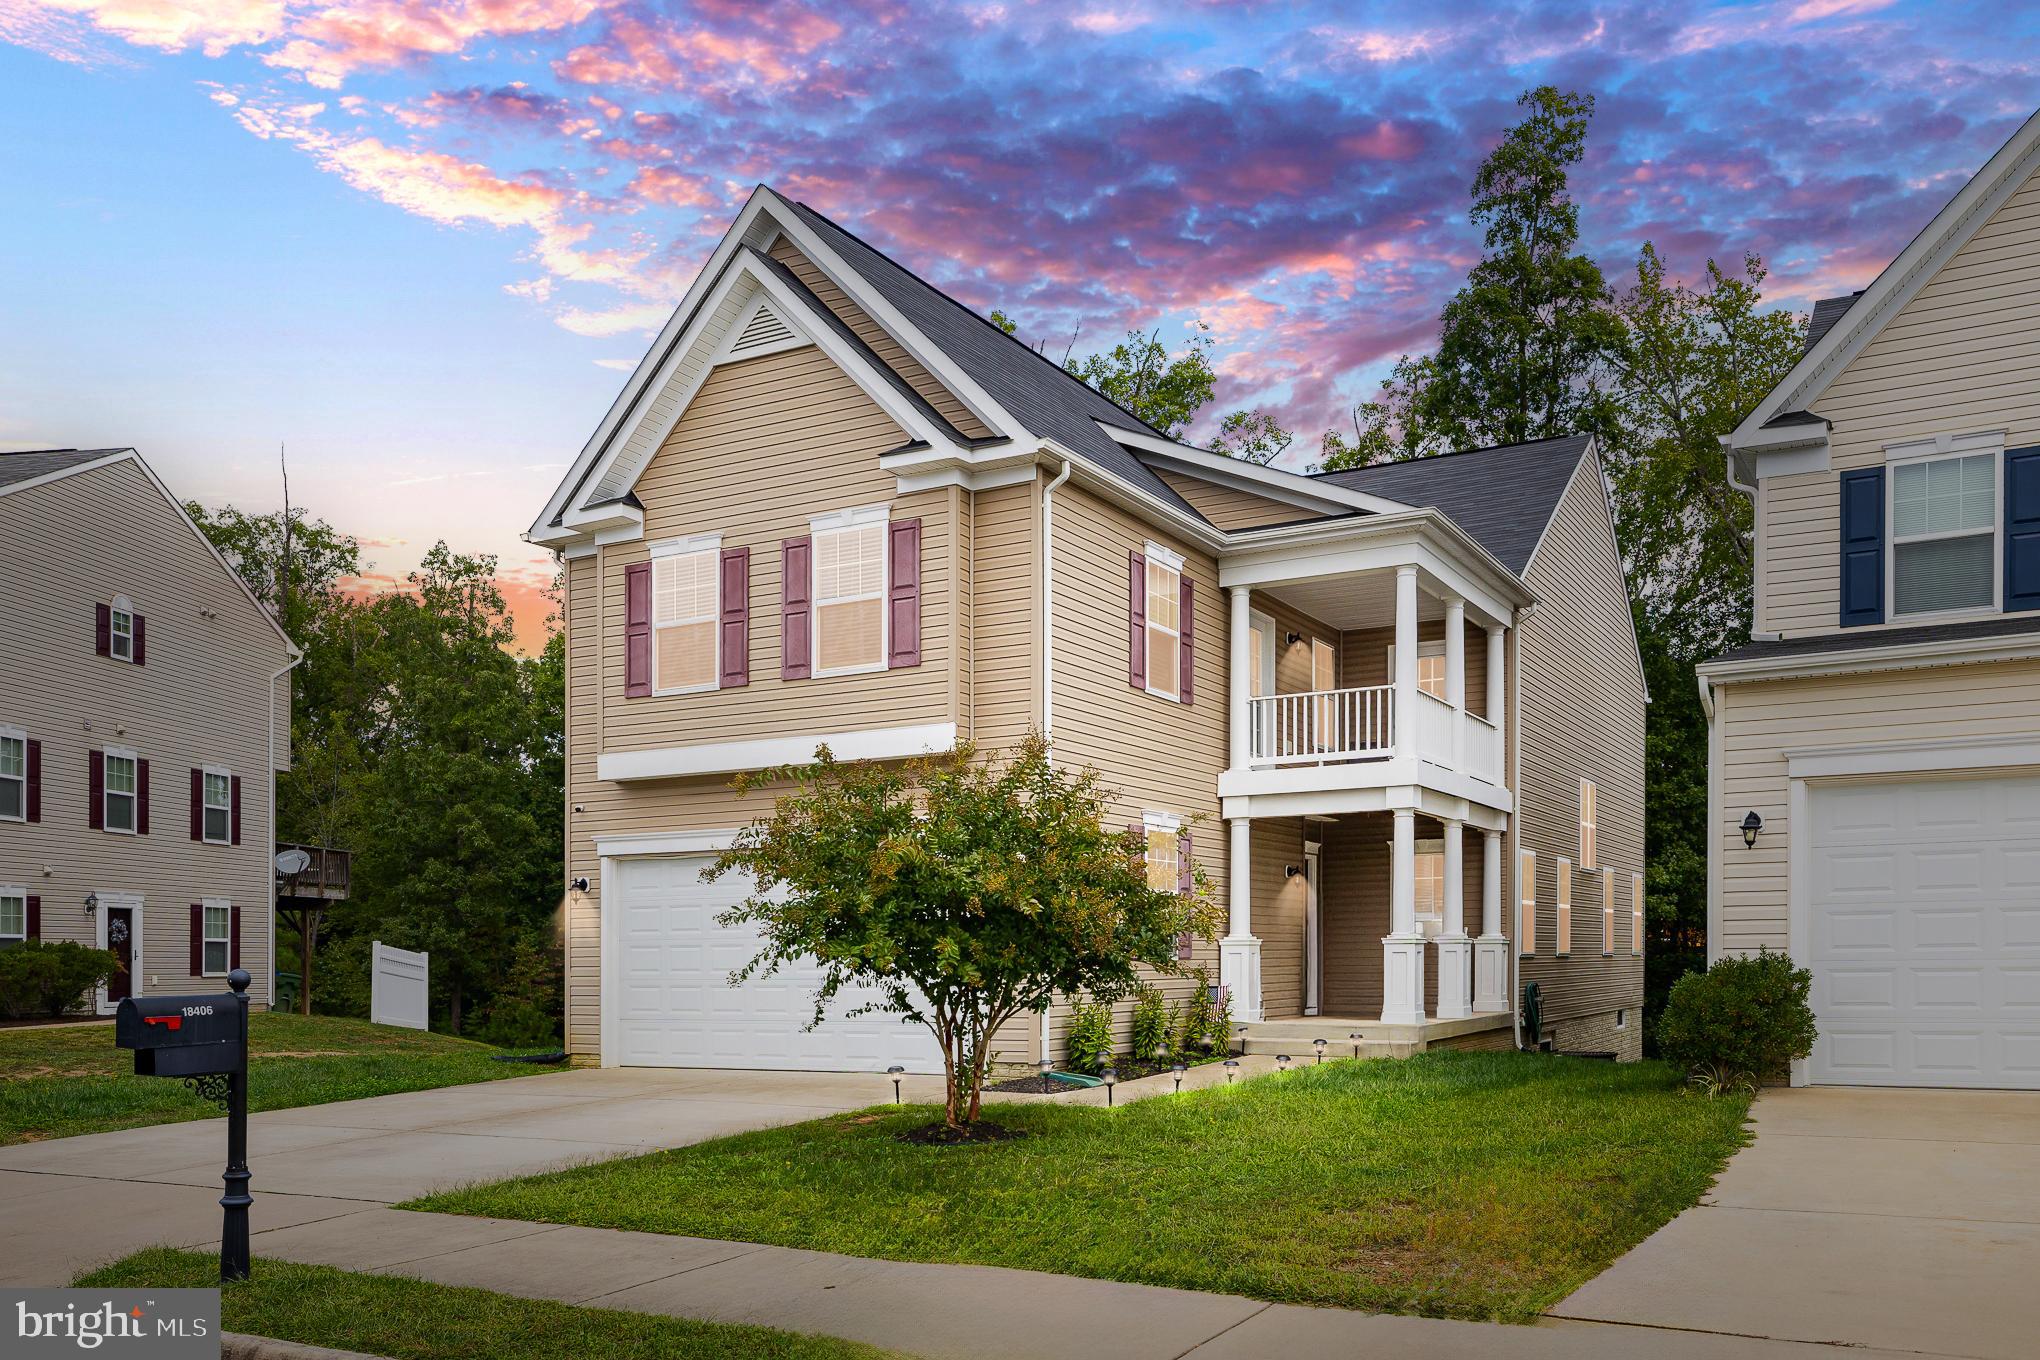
(121, 608)
(836, 522)
(1636, 913)
(1172, 826)
(17, 734)
(206, 940)
(687, 547)
(1158, 556)
(1434, 647)
(1590, 825)
(1967, 446)
(1526, 903)
(14, 892)
(1262, 626)
(1564, 941)
(107, 755)
(205, 775)
(1621, 1017)
(1430, 850)
(1607, 913)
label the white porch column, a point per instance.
(1402, 989)
(1455, 677)
(1406, 665)
(1242, 683)
(1455, 950)
(1491, 950)
(1495, 634)
(1239, 953)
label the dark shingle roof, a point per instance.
(32, 463)
(1862, 639)
(1826, 313)
(1504, 497)
(1033, 387)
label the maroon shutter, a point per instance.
(197, 938)
(234, 936)
(733, 636)
(102, 629)
(903, 594)
(637, 630)
(198, 805)
(1186, 883)
(141, 798)
(141, 640)
(95, 784)
(1136, 620)
(1185, 600)
(796, 622)
(234, 815)
(34, 781)
(35, 918)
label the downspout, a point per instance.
(296, 656)
(1515, 818)
(1714, 757)
(1048, 670)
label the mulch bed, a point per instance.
(942, 1135)
(1127, 1071)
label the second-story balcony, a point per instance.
(1334, 726)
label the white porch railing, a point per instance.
(1483, 749)
(1330, 724)
(1434, 727)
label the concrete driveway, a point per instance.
(74, 1202)
(1907, 1219)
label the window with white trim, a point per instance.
(1430, 667)
(1430, 881)
(215, 944)
(121, 635)
(216, 826)
(13, 915)
(1636, 913)
(1164, 851)
(122, 789)
(1564, 872)
(1164, 623)
(1590, 816)
(1526, 902)
(1608, 913)
(849, 591)
(13, 774)
(1944, 528)
(686, 603)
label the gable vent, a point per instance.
(765, 329)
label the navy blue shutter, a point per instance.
(1862, 547)
(2022, 529)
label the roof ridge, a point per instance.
(1450, 453)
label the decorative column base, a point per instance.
(1455, 974)
(1402, 984)
(1490, 975)
(1239, 969)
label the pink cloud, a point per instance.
(214, 26)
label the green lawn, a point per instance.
(55, 1082)
(412, 1320)
(1455, 1184)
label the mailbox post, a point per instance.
(204, 1040)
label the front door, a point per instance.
(120, 938)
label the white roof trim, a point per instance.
(1276, 484)
(1902, 279)
(1902, 656)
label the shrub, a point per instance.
(1090, 1041)
(1738, 1023)
(1206, 1025)
(1150, 1025)
(525, 1011)
(41, 977)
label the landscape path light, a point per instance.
(1111, 1076)
(1179, 1069)
(1319, 1044)
(1282, 1061)
(1231, 1066)
(895, 1073)
(1356, 1036)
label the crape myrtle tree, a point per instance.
(962, 891)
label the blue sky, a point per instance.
(417, 242)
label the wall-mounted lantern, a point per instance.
(1751, 825)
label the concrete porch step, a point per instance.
(1294, 1035)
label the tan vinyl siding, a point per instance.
(1005, 690)
(1582, 718)
(1230, 508)
(1760, 720)
(889, 350)
(1960, 357)
(202, 698)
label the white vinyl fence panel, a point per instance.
(399, 986)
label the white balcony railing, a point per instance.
(1483, 749)
(1321, 725)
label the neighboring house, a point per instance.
(1395, 713)
(1880, 736)
(144, 708)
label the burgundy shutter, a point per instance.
(198, 805)
(234, 815)
(34, 781)
(197, 938)
(234, 936)
(141, 798)
(35, 918)
(102, 629)
(733, 636)
(1185, 600)
(1136, 620)
(95, 784)
(796, 661)
(141, 640)
(637, 630)
(903, 594)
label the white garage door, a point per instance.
(1925, 932)
(674, 1006)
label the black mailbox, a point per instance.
(182, 1036)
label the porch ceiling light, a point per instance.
(1751, 825)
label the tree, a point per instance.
(1390, 428)
(964, 892)
(1252, 436)
(1139, 373)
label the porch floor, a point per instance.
(1293, 1035)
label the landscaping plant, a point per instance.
(964, 892)
(1150, 1038)
(1206, 1023)
(1738, 1023)
(44, 977)
(1090, 1041)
